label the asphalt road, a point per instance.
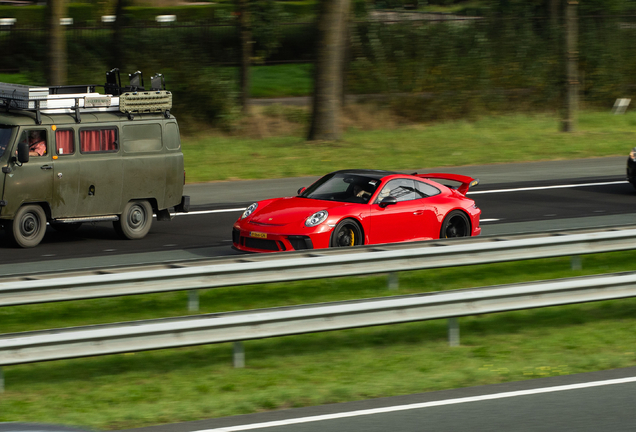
(514, 198)
(590, 402)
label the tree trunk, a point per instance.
(57, 43)
(118, 59)
(572, 53)
(332, 21)
(554, 13)
(246, 54)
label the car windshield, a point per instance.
(5, 136)
(343, 187)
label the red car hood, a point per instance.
(283, 211)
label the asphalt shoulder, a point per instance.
(243, 191)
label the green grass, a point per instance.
(15, 79)
(513, 138)
(125, 391)
(281, 80)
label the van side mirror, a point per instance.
(387, 201)
(301, 190)
(23, 152)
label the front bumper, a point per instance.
(257, 239)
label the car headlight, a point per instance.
(632, 154)
(316, 218)
(248, 211)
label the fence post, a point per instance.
(393, 281)
(1, 381)
(239, 355)
(572, 59)
(453, 332)
(193, 300)
(575, 262)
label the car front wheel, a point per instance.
(347, 233)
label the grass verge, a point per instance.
(125, 391)
(281, 80)
(373, 139)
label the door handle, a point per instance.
(418, 213)
(46, 167)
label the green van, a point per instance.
(71, 155)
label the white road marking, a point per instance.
(419, 405)
(545, 187)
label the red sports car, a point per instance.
(360, 207)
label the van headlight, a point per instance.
(316, 218)
(248, 211)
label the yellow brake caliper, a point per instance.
(353, 238)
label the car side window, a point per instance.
(400, 189)
(425, 190)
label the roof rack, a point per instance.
(76, 99)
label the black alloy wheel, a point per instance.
(456, 224)
(347, 233)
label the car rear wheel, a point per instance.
(28, 226)
(347, 233)
(456, 224)
(135, 221)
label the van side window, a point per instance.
(141, 138)
(64, 142)
(171, 137)
(36, 140)
(98, 140)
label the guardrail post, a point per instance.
(239, 355)
(393, 281)
(1, 381)
(193, 300)
(575, 262)
(453, 332)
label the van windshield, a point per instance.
(5, 136)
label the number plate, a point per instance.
(258, 234)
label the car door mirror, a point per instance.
(301, 190)
(23, 152)
(387, 201)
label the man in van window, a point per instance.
(37, 143)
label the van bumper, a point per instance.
(184, 206)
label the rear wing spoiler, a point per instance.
(466, 182)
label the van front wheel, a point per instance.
(28, 226)
(135, 221)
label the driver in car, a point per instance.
(361, 193)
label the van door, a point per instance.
(101, 172)
(66, 174)
(31, 182)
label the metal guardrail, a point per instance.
(255, 269)
(136, 336)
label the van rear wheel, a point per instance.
(28, 226)
(135, 221)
